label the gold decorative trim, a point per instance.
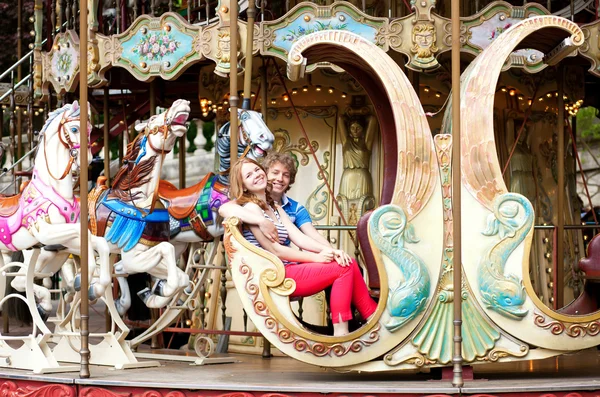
(574, 330)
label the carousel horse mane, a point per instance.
(56, 113)
(132, 174)
(223, 143)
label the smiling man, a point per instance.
(281, 173)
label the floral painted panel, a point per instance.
(305, 24)
(482, 35)
(65, 60)
(147, 47)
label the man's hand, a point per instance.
(325, 256)
(269, 230)
(342, 258)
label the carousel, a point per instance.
(437, 143)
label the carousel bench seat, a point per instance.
(590, 265)
(362, 232)
(589, 300)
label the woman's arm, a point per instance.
(249, 217)
(288, 253)
(300, 239)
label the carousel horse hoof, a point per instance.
(77, 282)
(144, 294)
(189, 289)
(158, 287)
(120, 307)
(42, 312)
(92, 294)
(54, 247)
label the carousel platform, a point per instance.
(576, 375)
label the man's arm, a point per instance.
(304, 223)
(249, 217)
(313, 233)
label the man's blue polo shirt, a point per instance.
(296, 211)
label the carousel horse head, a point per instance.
(61, 134)
(163, 129)
(254, 138)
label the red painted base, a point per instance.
(22, 388)
(448, 374)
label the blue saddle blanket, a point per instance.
(130, 222)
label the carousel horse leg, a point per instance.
(68, 235)
(124, 302)
(48, 262)
(160, 262)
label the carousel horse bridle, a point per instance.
(68, 144)
(164, 130)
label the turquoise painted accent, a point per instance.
(156, 46)
(389, 230)
(286, 36)
(502, 293)
(130, 222)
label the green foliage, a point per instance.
(588, 124)
(208, 130)
(190, 135)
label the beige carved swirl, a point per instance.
(417, 172)
(481, 171)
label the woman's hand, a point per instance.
(269, 230)
(342, 258)
(325, 256)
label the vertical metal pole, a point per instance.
(155, 341)
(572, 10)
(58, 27)
(118, 16)
(560, 202)
(19, 77)
(233, 86)
(457, 379)
(264, 88)
(182, 162)
(251, 12)
(84, 372)
(106, 137)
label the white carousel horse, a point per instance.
(129, 214)
(193, 211)
(46, 212)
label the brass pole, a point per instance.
(264, 90)
(106, 138)
(19, 77)
(154, 341)
(251, 12)
(233, 86)
(457, 379)
(264, 110)
(84, 372)
(560, 202)
(182, 162)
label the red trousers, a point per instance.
(347, 287)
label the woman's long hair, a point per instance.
(237, 191)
